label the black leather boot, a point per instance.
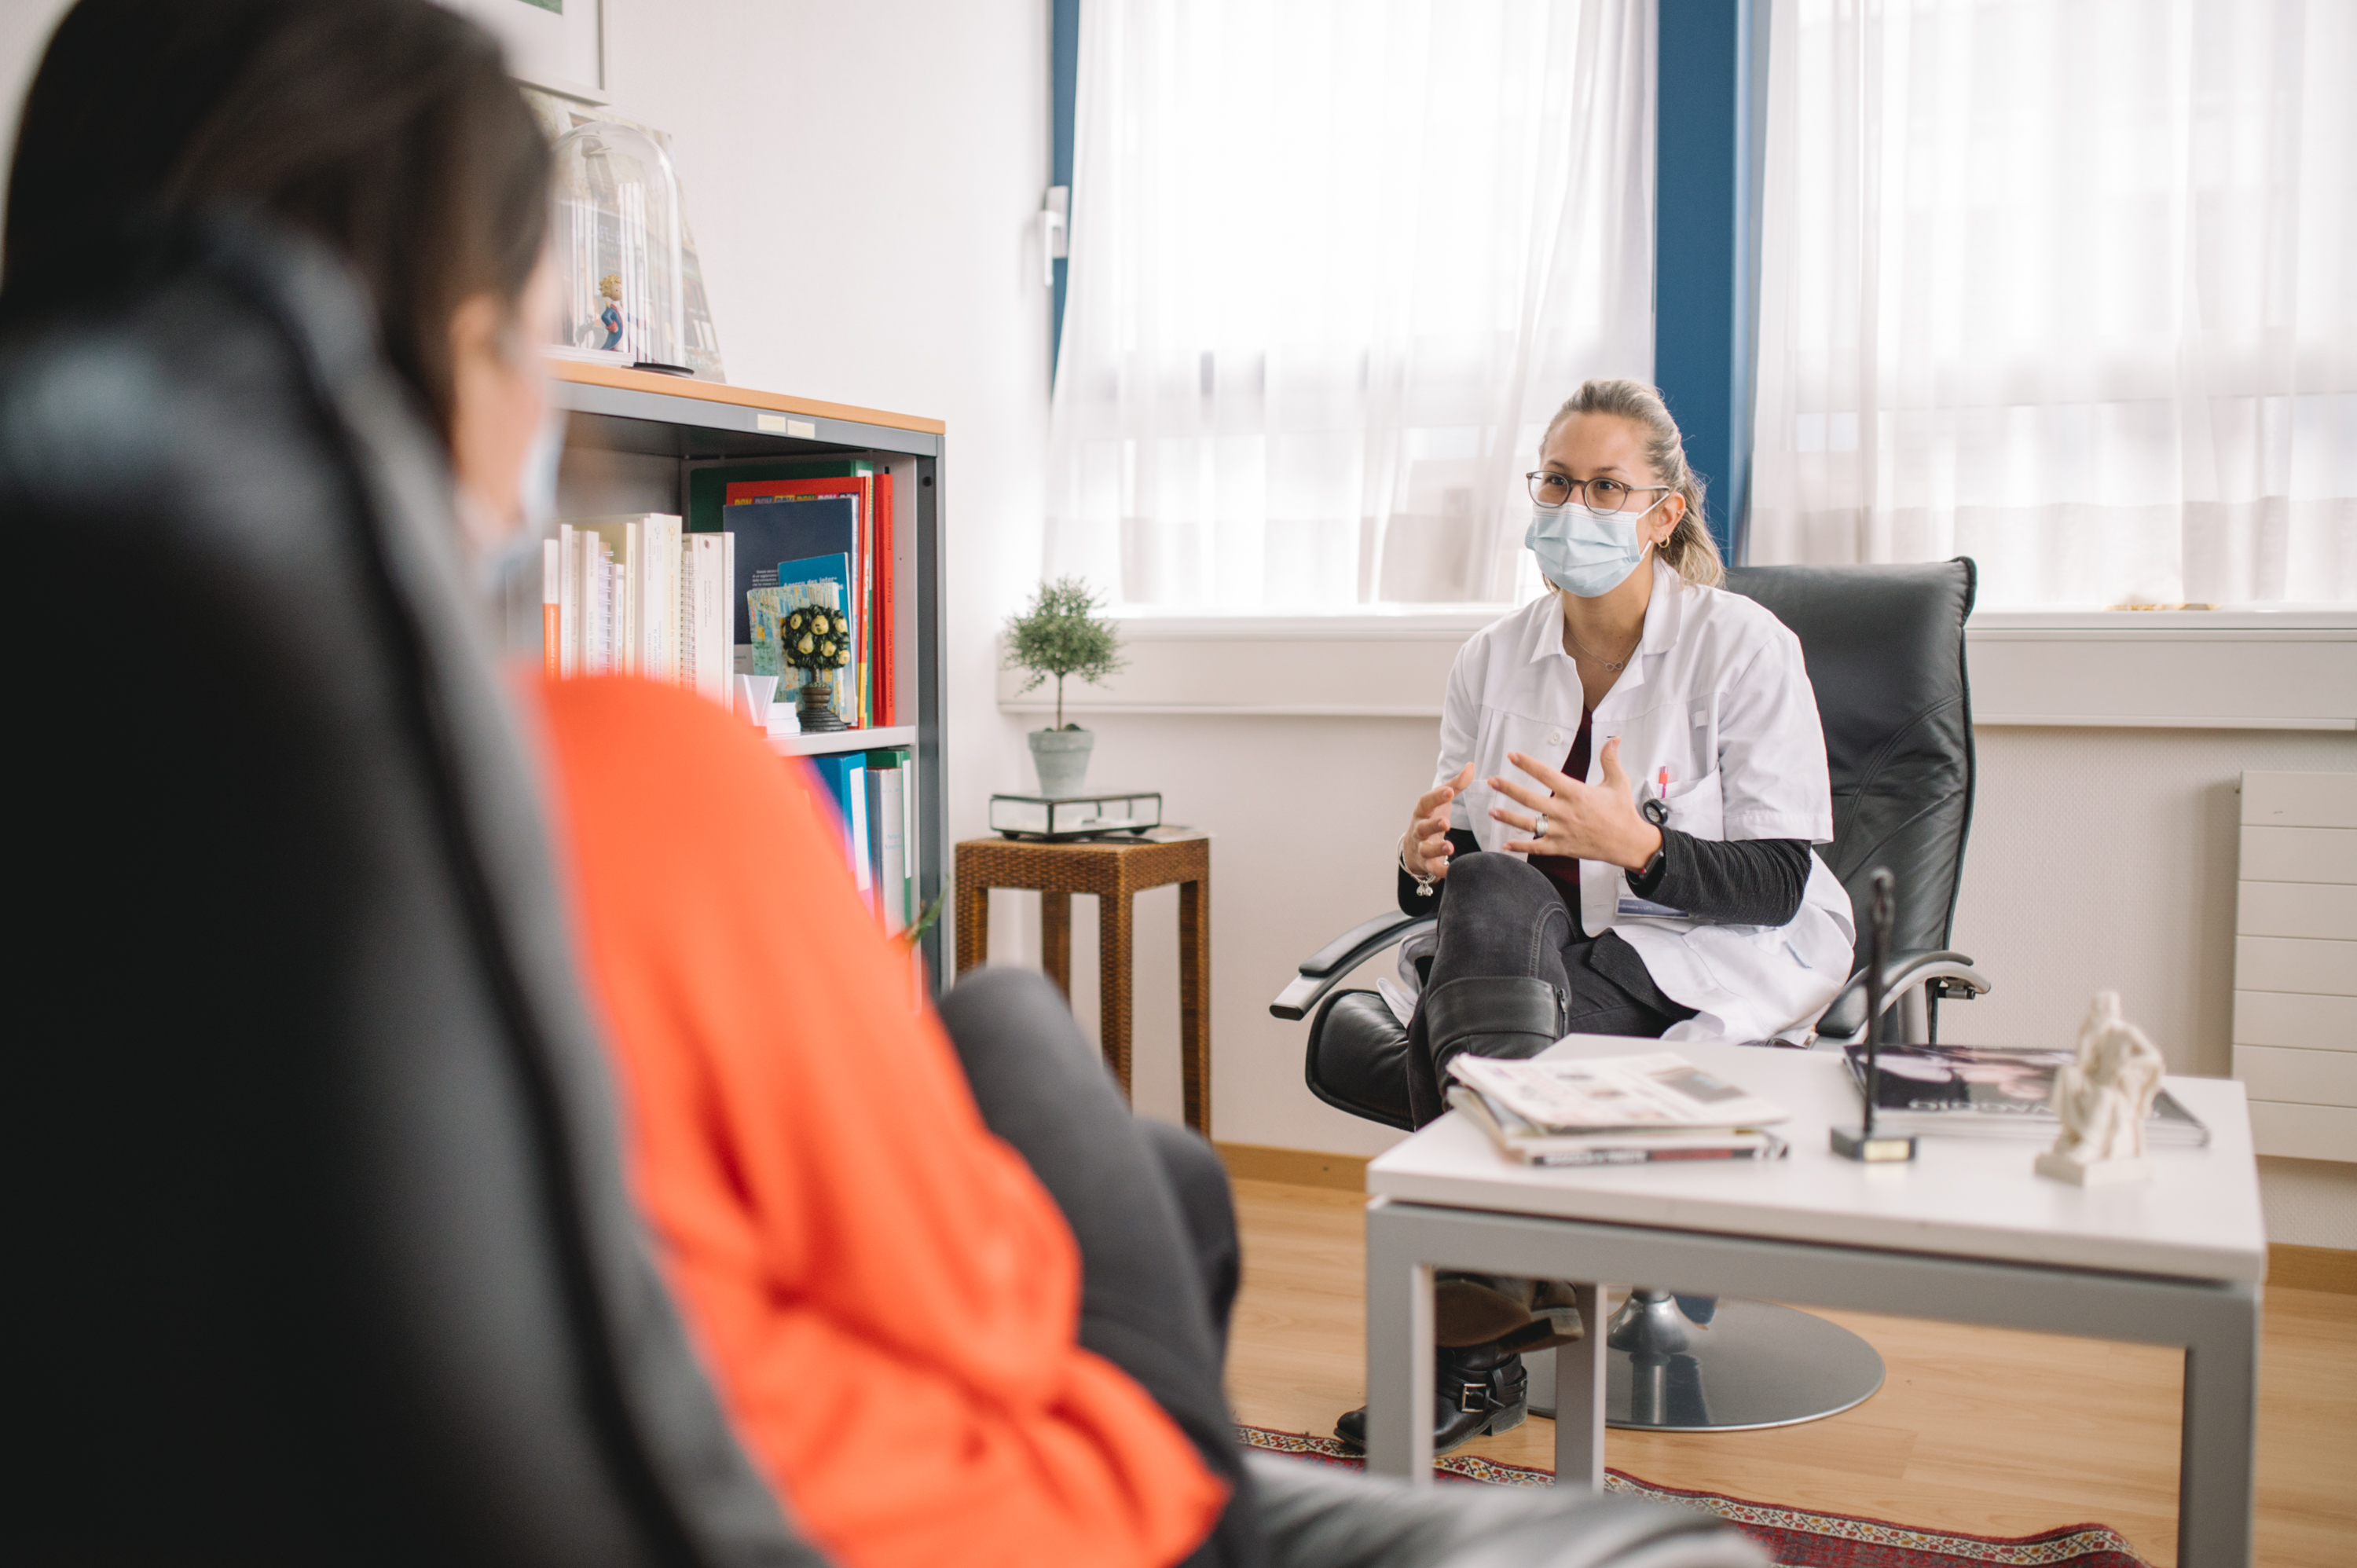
(1491, 1015)
(1517, 1315)
(1476, 1389)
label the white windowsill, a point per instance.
(2290, 669)
(1419, 623)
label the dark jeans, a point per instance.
(1503, 918)
(1148, 1204)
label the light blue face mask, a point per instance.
(1585, 551)
(516, 560)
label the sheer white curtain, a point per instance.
(2066, 285)
(1333, 263)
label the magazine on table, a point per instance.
(1991, 1092)
(1656, 1090)
(1619, 1146)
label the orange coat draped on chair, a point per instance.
(887, 1295)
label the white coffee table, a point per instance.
(1967, 1233)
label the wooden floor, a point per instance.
(1978, 1430)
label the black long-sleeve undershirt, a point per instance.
(1733, 881)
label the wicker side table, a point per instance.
(1113, 871)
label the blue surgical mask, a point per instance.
(1585, 551)
(503, 561)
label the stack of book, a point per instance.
(823, 531)
(633, 596)
(1612, 1110)
(874, 797)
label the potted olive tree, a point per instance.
(1061, 636)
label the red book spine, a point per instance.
(887, 707)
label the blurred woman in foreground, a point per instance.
(960, 1306)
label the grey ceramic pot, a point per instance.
(1061, 755)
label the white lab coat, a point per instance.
(1718, 693)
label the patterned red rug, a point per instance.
(1798, 1538)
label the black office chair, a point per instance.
(1884, 649)
(319, 1248)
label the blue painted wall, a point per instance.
(1710, 138)
(1065, 78)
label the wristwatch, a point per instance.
(1652, 870)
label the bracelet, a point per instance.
(1424, 880)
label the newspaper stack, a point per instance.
(1610, 1111)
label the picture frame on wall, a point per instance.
(556, 44)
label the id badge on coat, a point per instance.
(1696, 808)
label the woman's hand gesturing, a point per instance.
(1425, 848)
(1582, 821)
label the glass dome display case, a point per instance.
(617, 243)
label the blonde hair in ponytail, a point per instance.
(1690, 551)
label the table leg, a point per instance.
(973, 927)
(1055, 940)
(2214, 1467)
(1113, 982)
(1195, 1003)
(1399, 1356)
(1579, 1398)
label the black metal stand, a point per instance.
(1863, 1143)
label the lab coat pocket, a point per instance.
(1546, 741)
(1697, 809)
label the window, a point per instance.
(1333, 265)
(2063, 285)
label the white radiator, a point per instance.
(2296, 963)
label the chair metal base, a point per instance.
(1753, 1366)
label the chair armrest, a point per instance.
(1324, 970)
(1952, 973)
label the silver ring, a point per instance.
(1539, 828)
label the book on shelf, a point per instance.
(708, 570)
(816, 583)
(776, 537)
(845, 775)
(874, 594)
(643, 556)
(889, 809)
(630, 596)
(884, 706)
(1991, 1092)
(1538, 1145)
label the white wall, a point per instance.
(25, 27)
(862, 181)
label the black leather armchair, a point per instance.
(319, 1250)
(1884, 649)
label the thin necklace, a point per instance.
(1622, 663)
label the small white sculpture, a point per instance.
(2103, 1099)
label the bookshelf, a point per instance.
(635, 442)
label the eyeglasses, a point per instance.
(1552, 490)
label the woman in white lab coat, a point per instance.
(1617, 838)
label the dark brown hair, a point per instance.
(387, 128)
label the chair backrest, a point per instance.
(1884, 646)
(320, 1250)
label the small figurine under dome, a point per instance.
(609, 288)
